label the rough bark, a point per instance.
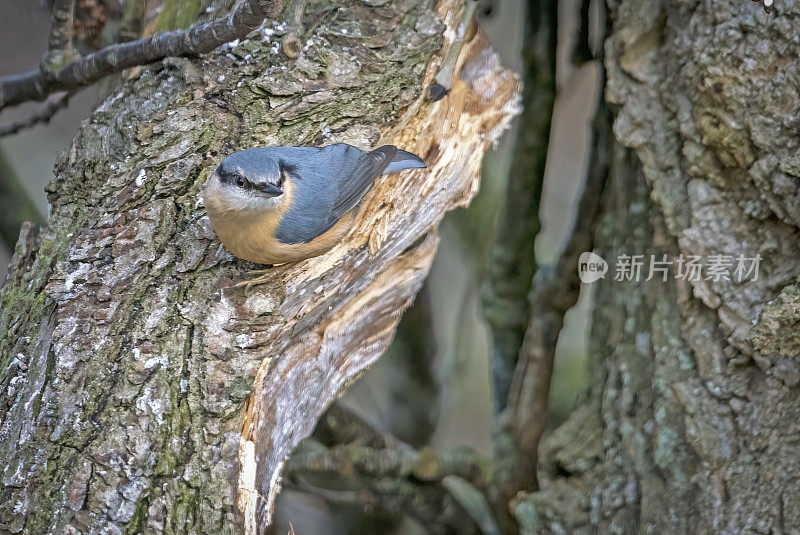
(61, 71)
(690, 425)
(142, 390)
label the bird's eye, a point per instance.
(239, 181)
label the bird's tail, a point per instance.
(404, 160)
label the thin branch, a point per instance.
(340, 425)
(368, 467)
(554, 291)
(201, 39)
(52, 105)
(62, 27)
(396, 477)
(398, 460)
(133, 15)
(291, 43)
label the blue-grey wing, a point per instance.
(314, 191)
(330, 181)
(355, 184)
(317, 176)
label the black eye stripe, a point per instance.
(232, 177)
(235, 177)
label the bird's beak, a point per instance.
(270, 190)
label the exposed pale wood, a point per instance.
(377, 277)
(144, 391)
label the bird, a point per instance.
(277, 205)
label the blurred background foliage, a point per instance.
(434, 386)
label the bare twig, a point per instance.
(61, 49)
(62, 27)
(396, 477)
(52, 105)
(554, 291)
(291, 43)
(368, 467)
(200, 39)
(133, 20)
(340, 425)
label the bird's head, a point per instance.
(247, 181)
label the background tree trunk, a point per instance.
(142, 390)
(690, 423)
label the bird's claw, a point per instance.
(260, 276)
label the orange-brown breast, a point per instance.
(251, 235)
(272, 251)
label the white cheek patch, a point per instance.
(248, 201)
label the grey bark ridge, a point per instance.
(691, 423)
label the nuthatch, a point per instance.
(274, 205)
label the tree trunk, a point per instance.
(143, 390)
(690, 425)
